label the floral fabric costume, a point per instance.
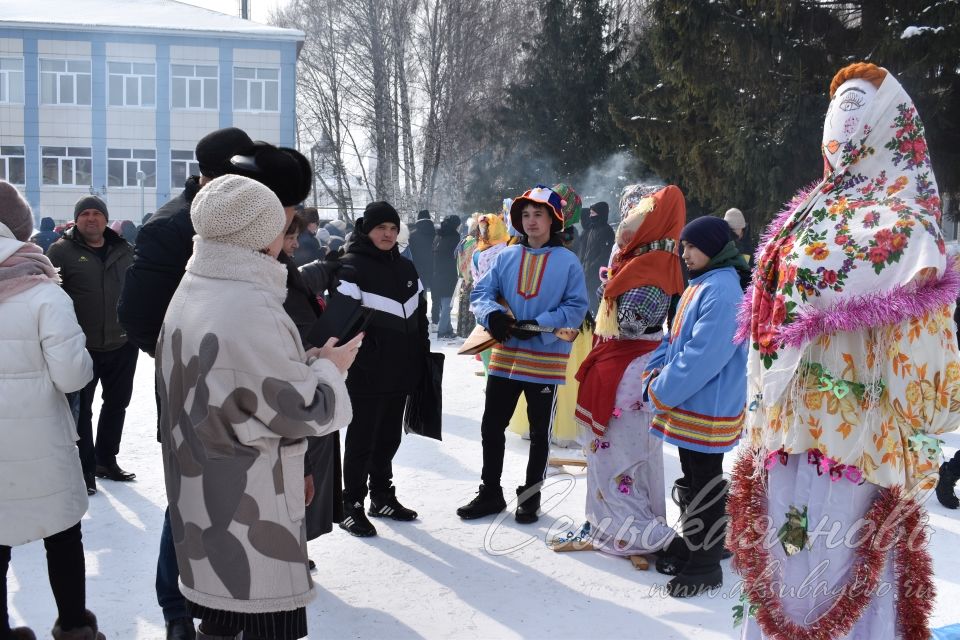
(852, 372)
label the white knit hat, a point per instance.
(238, 211)
(735, 219)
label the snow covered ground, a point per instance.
(438, 577)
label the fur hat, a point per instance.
(375, 214)
(238, 211)
(90, 202)
(707, 233)
(285, 171)
(538, 195)
(735, 219)
(217, 147)
(15, 212)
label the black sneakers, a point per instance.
(355, 522)
(528, 504)
(384, 504)
(489, 501)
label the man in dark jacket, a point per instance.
(47, 235)
(422, 236)
(93, 261)
(445, 271)
(388, 367)
(595, 246)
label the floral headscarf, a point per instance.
(872, 225)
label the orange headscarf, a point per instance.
(639, 264)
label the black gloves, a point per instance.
(521, 334)
(500, 325)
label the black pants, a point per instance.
(67, 574)
(372, 440)
(501, 402)
(114, 371)
(703, 473)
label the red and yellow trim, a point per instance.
(532, 268)
(695, 428)
(688, 295)
(550, 367)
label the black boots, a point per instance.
(22, 633)
(384, 504)
(945, 485)
(181, 629)
(489, 501)
(528, 503)
(88, 631)
(694, 559)
(355, 522)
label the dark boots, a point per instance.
(945, 485)
(384, 504)
(181, 629)
(87, 632)
(704, 533)
(489, 500)
(528, 503)
(355, 521)
(22, 633)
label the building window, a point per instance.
(11, 165)
(11, 80)
(195, 86)
(131, 84)
(64, 81)
(66, 165)
(256, 89)
(123, 165)
(183, 164)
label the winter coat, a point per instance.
(94, 284)
(237, 403)
(308, 249)
(445, 259)
(700, 393)
(47, 235)
(421, 246)
(595, 246)
(163, 247)
(301, 302)
(396, 341)
(42, 357)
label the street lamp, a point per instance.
(141, 179)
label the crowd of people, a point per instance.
(828, 356)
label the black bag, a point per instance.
(423, 413)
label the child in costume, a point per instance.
(853, 371)
(542, 284)
(698, 390)
(625, 506)
(563, 427)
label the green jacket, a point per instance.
(94, 285)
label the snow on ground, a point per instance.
(438, 577)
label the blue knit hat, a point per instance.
(708, 234)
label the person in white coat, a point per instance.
(42, 357)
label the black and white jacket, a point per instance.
(396, 341)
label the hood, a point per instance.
(450, 226)
(425, 227)
(47, 224)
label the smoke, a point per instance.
(605, 180)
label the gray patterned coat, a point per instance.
(237, 404)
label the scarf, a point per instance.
(649, 258)
(496, 232)
(26, 268)
(599, 376)
(867, 230)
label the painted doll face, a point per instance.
(632, 220)
(844, 114)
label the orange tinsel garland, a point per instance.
(896, 523)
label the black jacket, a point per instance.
(47, 235)
(595, 246)
(94, 284)
(301, 303)
(390, 360)
(164, 246)
(421, 246)
(309, 249)
(444, 261)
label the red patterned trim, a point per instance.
(530, 275)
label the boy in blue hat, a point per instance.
(537, 279)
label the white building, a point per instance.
(94, 91)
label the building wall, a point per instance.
(162, 128)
